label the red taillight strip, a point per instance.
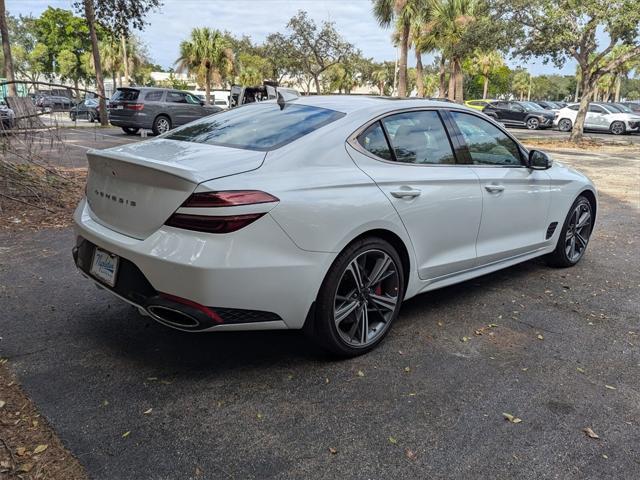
(212, 224)
(230, 198)
(134, 106)
(206, 310)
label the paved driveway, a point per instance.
(425, 404)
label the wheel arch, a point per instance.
(396, 242)
(591, 197)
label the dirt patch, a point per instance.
(29, 449)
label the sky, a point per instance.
(258, 18)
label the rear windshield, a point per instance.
(125, 94)
(261, 126)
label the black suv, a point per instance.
(158, 109)
(520, 114)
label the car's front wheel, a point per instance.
(360, 298)
(574, 236)
(130, 130)
(533, 123)
(565, 125)
(617, 128)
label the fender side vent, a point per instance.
(550, 229)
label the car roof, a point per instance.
(352, 103)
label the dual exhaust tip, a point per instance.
(172, 317)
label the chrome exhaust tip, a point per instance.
(172, 317)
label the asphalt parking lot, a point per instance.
(562, 354)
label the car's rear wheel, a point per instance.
(161, 124)
(533, 123)
(617, 128)
(574, 236)
(72, 116)
(565, 125)
(130, 130)
(92, 117)
(360, 298)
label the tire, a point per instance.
(563, 255)
(565, 125)
(378, 302)
(73, 117)
(617, 128)
(161, 124)
(92, 117)
(532, 123)
(130, 130)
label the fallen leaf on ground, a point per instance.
(333, 451)
(20, 451)
(609, 387)
(392, 440)
(540, 337)
(581, 370)
(326, 380)
(410, 454)
(2, 403)
(400, 352)
(126, 434)
(360, 373)
(147, 412)
(465, 339)
(407, 369)
(25, 467)
(605, 456)
(259, 416)
(590, 433)
(40, 449)
(511, 418)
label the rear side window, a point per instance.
(153, 96)
(261, 126)
(176, 97)
(487, 144)
(126, 94)
(374, 141)
(574, 107)
(419, 137)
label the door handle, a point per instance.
(408, 193)
(494, 188)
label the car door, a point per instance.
(516, 114)
(597, 118)
(411, 159)
(195, 109)
(515, 199)
(178, 108)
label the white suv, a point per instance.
(600, 116)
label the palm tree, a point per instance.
(450, 22)
(403, 12)
(423, 41)
(521, 82)
(484, 63)
(207, 53)
(249, 76)
(111, 60)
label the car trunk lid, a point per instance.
(135, 188)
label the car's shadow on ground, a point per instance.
(124, 333)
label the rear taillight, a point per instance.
(220, 223)
(231, 198)
(136, 107)
(210, 224)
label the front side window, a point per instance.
(419, 137)
(487, 144)
(192, 99)
(595, 109)
(374, 141)
(574, 107)
(126, 94)
(258, 126)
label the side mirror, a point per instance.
(538, 160)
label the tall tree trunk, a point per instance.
(485, 89)
(443, 78)
(529, 90)
(6, 50)
(404, 52)
(577, 94)
(459, 97)
(90, 16)
(419, 75)
(125, 60)
(451, 92)
(316, 79)
(578, 125)
(381, 87)
(596, 93)
(616, 98)
(207, 86)
(113, 79)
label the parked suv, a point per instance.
(54, 103)
(88, 109)
(600, 116)
(521, 114)
(158, 109)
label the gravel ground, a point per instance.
(132, 399)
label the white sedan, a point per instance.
(322, 214)
(600, 116)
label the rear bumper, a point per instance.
(137, 120)
(254, 279)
